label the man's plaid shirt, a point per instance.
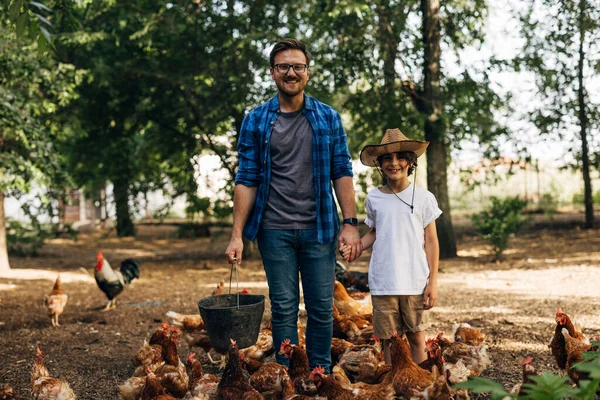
(331, 161)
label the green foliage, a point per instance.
(560, 49)
(204, 207)
(41, 211)
(363, 54)
(501, 220)
(578, 198)
(31, 91)
(365, 181)
(549, 200)
(222, 209)
(483, 385)
(24, 239)
(197, 206)
(167, 82)
(29, 19)
(546, 386)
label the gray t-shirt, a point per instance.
(291, 203)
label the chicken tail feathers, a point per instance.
(130, 269)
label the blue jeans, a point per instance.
(287, 255)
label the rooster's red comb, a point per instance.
(527, 360)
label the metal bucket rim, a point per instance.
(260, 298)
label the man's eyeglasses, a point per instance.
(284, 68)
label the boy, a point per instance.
(404, 261)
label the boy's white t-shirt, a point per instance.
(398, 260)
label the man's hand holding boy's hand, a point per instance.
(350, 237)
(346, 252)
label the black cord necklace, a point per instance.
(398, 197)
(412, 207)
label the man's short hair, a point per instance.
(289, 44)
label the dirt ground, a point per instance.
(512, 302)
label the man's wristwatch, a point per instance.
(350, 221)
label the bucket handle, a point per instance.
(235, 264)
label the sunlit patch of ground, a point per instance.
(31, 274)
(546, 282)
(512, 345)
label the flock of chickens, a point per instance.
(358, 369)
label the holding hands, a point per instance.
(349, 245)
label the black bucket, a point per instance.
(225, 318)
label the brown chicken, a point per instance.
(347, 305)
(43, 386)
(363, 390)
(56, 302)
(173, 374)
(201, 384)
(575, 348)
(338, 348)
(434, 357)
(361, 320)
(328, 387)
(8, 393)
(557, 344)
(160, 335)
(299, 370)
(454, 372)
(262, 348)
(465, 333)
(362, 362)
(440, 390)
(354, 328)
(250, 365)
(131, 389)
(186, 322)
(147, 356)
(194, 334)
(528, 372)
(473, 357)
(267, 380)
(220, 289)
(153, 390)
(234, 385)
(406, 377)
(289, 393)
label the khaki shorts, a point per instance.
(398, 313)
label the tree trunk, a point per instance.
(4, 264)
(388, 42)
(587, 183)
(437, 180)
(125, 225)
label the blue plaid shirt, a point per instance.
(331, 161)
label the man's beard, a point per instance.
(288, 92)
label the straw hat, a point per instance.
(393, 141)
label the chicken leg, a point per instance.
(111, 304)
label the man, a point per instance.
(290, 150)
